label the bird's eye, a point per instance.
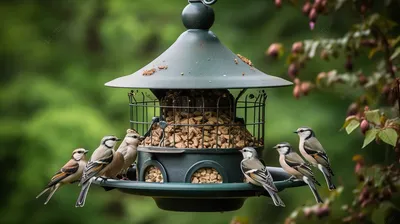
(301, 130)
(135, 136)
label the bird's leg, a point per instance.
(103, 179)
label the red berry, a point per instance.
(293, 71)
(278, 3)
(306, 8)
(297, 91)
(297, 48)
(305, 87)
(364, 126)
(313, 15)
(324, 55)
(274, 49)
(362, 79)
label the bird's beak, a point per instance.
(275, 147)
(295, 132)
(86, 151)
(241, 150)
(141, 138)
(118, 139)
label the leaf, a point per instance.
(373, 116)
(339, 4)
(393, 42)
(388, 135)
(313, 49)
(370, 135)
(347, 121)
(352, 126)
(373, 51)
(395, 53)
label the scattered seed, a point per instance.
(163, 67)
(245, 60)
(149, 72)
(236, 61)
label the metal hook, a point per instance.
(205, 2)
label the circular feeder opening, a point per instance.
(153, 174)
(206, 176)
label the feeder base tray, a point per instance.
(188, 197)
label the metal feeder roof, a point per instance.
(198, 60)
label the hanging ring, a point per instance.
(205, 2)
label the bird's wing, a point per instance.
(94, 167)
(315, 149)
(296, 162)
(256, 171)
(69, 168)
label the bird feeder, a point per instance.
(197, 104)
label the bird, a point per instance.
(312, 150)
(256, 173)
(70, 173)
(128, 149)
(293, 164)
(97, 166)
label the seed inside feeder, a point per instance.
(200, 122)
(153, 174)
(206, 175)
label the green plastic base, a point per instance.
(189, 197)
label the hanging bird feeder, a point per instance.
(197, 104)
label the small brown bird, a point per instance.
(115, 166)
(313, 152)
(256, 173)
(97, 165)
(128, 149)
(71, 172)
(293, 164)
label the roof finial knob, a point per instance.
(198, 15)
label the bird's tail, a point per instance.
(275, 198)
(52, 191)
(328, 177)
(44, 191)
(82, 195)
(313, 188)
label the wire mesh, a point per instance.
(199, 119)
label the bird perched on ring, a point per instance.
(97, 166)
(257, 174)
(293, 164)
(128, 149)
(313, 152)
(71, 172)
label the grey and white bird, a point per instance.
(71, 172)
(313, 152)
(256, 173)
(294, 165)
(128, 149)
(96, 167)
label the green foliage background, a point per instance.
(56, 57)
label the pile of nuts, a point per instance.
(153, 174)
(210, 125)
(206, 175)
